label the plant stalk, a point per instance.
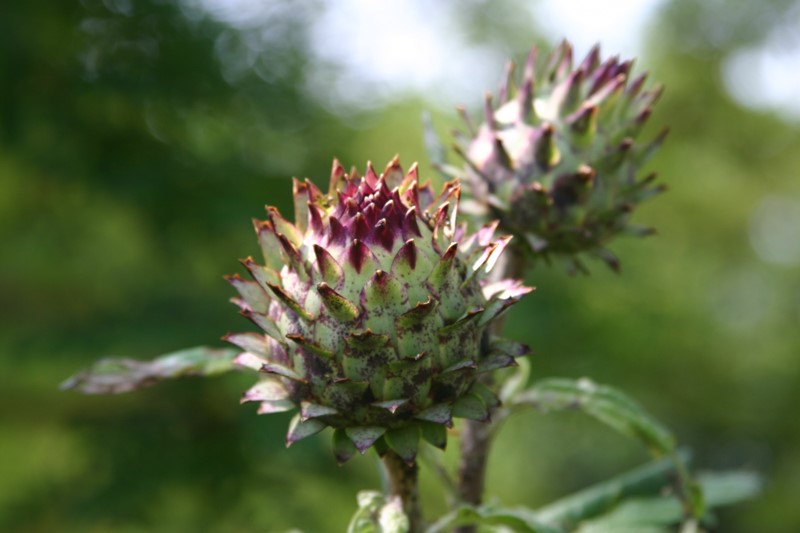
(475, 439)
(403, 483)
(476, 436)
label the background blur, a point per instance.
(137, 140)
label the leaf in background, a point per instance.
(569, 511)
(660, 513)
(116, 375)
(604, 403)
(634, 502)
(621, 412)
(519, 519)
(729, 487)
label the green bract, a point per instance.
(373, 306)
(556, 161)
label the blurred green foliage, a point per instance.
(132, 157)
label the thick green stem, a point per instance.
(403, 483)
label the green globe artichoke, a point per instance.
(557, 161)
(374, 306)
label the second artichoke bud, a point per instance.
(556, 159)
(373, 306)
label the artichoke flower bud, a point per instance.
(557, 158)
(373, 306)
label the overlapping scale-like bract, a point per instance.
(556, 160)
(373, 307)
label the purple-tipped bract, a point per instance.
(372, 306)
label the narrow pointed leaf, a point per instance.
(495, 362)
(440, 414)
(300, 197)
(453, 329)
(299, 430)
(268, 242)
(268, 407)
(343, 447)
(284, 227)
(406, 259)
(382, 289)
(364, 437)
(116, 375)
(250, 360)
(289, 302)
(417, 314)
(392, 405)
(339, 306)
(330, 269)
(472, 407)
(404, 441)
(266, 324)
(436, 434)
(310, 346)
(607, 404)
(266, 389)
(280, 370)
(485, 393)
(251, 292)
(310, 410)
(509, 347)
(249, 342)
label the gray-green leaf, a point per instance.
(659, 513)
(619, 411)
(115, 375)
(602, 497)
(519, 520)
(607, 404)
